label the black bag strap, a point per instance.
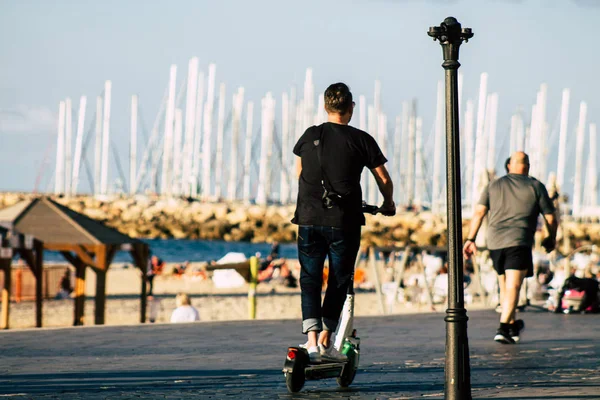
(319, 145)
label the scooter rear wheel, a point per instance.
(295, 380)
(294, 369)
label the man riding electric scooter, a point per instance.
(330, 215)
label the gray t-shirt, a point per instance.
(514, 202)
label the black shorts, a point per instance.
(518, 257)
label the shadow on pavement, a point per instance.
(132, 380)
(561, 397)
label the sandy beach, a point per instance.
(214, 304)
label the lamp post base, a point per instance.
(458, 370)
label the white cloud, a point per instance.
(27, 119)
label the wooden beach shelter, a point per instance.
(83, 242)
(32, 251)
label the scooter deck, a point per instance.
(324, 370)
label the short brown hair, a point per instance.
(338, 98)
(182, 299)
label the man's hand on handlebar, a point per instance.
(388, 208)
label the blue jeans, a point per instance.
(315, 243)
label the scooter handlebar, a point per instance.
(369, 209)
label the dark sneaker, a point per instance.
(503, 337)
(516, 329)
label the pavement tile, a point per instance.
(402, 358)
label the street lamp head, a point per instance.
(450, 30)
(451, 35)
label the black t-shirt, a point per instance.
(346, 151)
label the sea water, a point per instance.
(180, 250)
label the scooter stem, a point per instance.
(346, 324)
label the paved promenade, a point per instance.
(402, 358)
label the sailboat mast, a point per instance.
(469, 149)
(190, 125)
(410, 170)
(362, 125)
(68, 145)
(591, 177)
(419, 178)
(133, 145)
(59, 174)
(177, 139)
(220, 138)
(480, 141)
(98, 147)
(167, 177)
(372, 124)
(284, 190)
(238, 104)
(78, 144)
(562, 140)
(542, 132)
(105, 138)
(493, 113)
(248, 151)
(196, 159)
(261, 196)
(579, 158)
(437, 149)
(270, 132)
(207, 142)
(397, 170)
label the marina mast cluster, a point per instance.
(205, 143)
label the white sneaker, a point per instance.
(331, 353)
(314, 354)
(303, 345)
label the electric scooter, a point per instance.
(298, 368)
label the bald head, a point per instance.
(519, 163)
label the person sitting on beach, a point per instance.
(155, 267)
(184, 311)
(329, 213)
(274, 250)
(440, 285)
(198, 274)
(265, 269)
(65, 288)
(180, 269)
(276, 271)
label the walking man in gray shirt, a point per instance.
(513, 204)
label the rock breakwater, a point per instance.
(154, 217)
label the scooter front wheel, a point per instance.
(346, 379)
(349, 372)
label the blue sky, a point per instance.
(56, 49)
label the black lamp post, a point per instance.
(458, 371)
